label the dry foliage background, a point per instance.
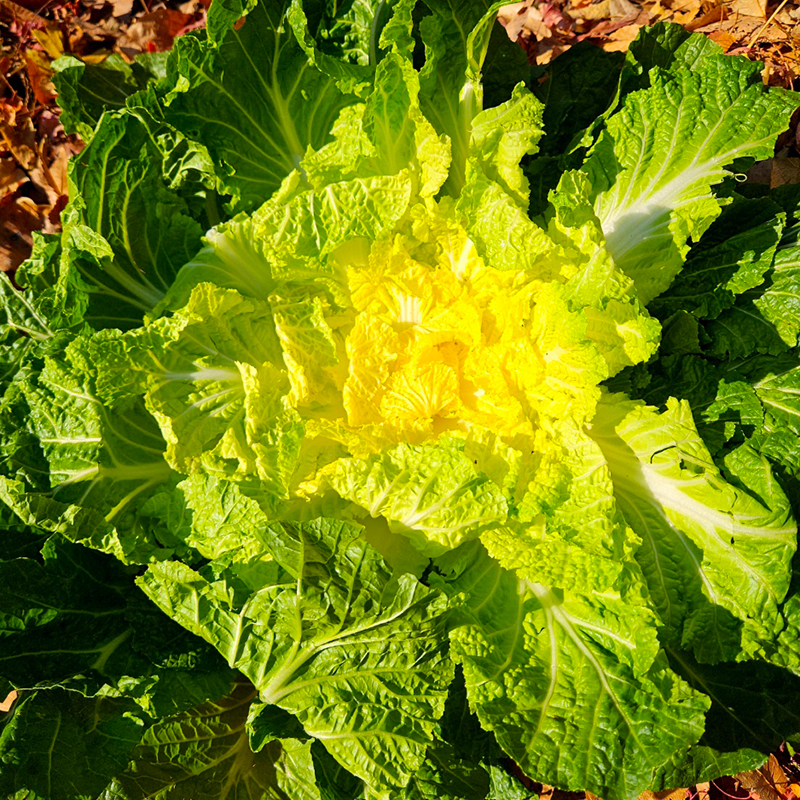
(34, 149)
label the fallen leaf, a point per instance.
(40, 73)
(601, 10)
(507, 14)
(769, 782)
(750, 8)
(51, 40)
(742, 28)
(19, 217)
(50, 176)
(156, 30)
(23, 12)
(551, 15)
(524, 20)
(670, 794)
(623, 9)
(659, 12)
(11, 176)
(716, 14)
(724, 39)
(784, 171)
(8, 702)
(686, 11)
(603, 30)
(121, 8)
(620, 40)
(760, 172)
(17, 132)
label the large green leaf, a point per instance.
(579, 87)
(753, 708)
(215, 382)
(78, 467)
(456, 37)
(85, 91)
(568, 532)
(256, 122)
(331, 637)
(653, 169)
(64, 617)
(572, 685)
(60, 744)
(205, 754)
(716, 558)
(31, 307)
(77, 619)
(126, 233)
(732, 258)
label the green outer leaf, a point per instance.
(347, 45)
(716, 558)
(502, 135)
(653, 168)
(582, 85)
(778, 302)
(204, 754)
(256, 122)
(64, 617)
(731, 258)
(354, 654)
(671, 47)
(568, 532)
(445, 776)
(223, 518)
(96, 475)
(77, 619)
(456, 39)
(754, 708)
(85, 91)
(125, 234)
(61, 744)
(573, 686)
(34, 309)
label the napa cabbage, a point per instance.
(405, 415)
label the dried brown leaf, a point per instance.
(770, 781)
(22, 12)
(526, 21)
(17, 134)
(601, 10)
(11, 176)
(715, 14)
(40, 73)
(19, 217)
(121, 8)
(760, 172)
(620, 40)
(155, 30)
(687, 12)
(8, 702)
(670, 794)
(507, 14)
(624, 9)
(724, 39)
(51, 40)
(750, 8)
